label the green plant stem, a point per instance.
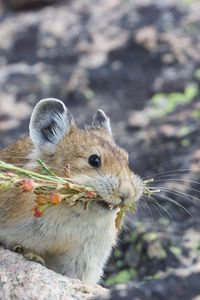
(10, 167)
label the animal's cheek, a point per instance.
(138, 186)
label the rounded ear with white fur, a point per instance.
(101, 121)
(50, 121)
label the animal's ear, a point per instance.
(50, 121)
(100, 120)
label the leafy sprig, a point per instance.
(51, 190)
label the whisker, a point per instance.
(154, 203)
(175, 170)
(181, 194)
(181, 180)
(148, 208)
(161, 207)
(192, 189)
(175, 191)
(188, 188)
(176, 203)
(175, 174)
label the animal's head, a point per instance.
(94, 158)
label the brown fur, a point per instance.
(74, 149)
(72, 241)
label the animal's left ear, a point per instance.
(50, 122)
(101, 121)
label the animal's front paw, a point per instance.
(28, 254)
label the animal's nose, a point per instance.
(130, 189)
(126, 190)
(124, 196)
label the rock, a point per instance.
(147, 36)
(25, 280)
(181, 284)
(138, 119)
(23, 4)
(168, 131)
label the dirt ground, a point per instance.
(140, 62)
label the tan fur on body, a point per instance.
(73, 241)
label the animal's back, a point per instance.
(13, 203)
(18, 152)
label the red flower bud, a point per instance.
(89, 194)
(41, 200)
(27, 185)
(37, 212)
(55, 198)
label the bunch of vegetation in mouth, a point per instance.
(51, 190)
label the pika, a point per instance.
(72, 241)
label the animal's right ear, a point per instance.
(50, 121)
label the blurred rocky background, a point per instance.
(139, 60)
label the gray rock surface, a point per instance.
(182, 284)
(21, 4)
(25, 280)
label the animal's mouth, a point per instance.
(107, 205)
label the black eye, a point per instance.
(94, 161)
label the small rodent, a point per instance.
(71, 241)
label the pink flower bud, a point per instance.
(27, 185)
